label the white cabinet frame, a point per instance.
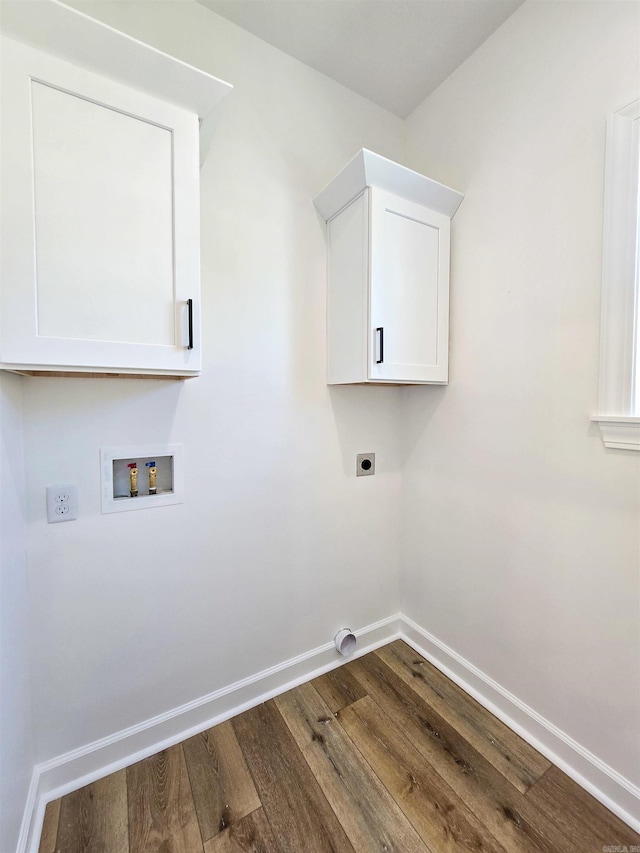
(388, 236)
(23, 345)
(73, 54)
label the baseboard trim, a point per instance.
(615, 792)
(30, 812)
(73, 770)
(68, 772)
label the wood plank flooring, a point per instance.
(382, 754)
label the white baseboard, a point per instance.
(71, 771)
(31, 809)
(618, 794)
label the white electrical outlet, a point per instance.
(62, 503)
(365, 464)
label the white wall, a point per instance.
(521, 530)
(16, 752)
(277, 544)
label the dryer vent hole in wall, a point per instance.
(345, 641)
(365, 464)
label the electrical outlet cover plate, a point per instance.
(62, 503)
(365, 464)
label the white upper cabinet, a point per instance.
(388, 274)
(100, 201)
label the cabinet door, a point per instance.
(100, 217)
(409, 291)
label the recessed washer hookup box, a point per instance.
(141, 476)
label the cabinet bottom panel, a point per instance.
(78, 374)
(390, 384)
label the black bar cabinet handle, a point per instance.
(190, 308)
(380, 330)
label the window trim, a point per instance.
(618, 419)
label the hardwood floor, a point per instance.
(382, 754)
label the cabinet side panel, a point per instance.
(347, 306)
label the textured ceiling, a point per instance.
(393, 52)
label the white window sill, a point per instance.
(619, 432)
